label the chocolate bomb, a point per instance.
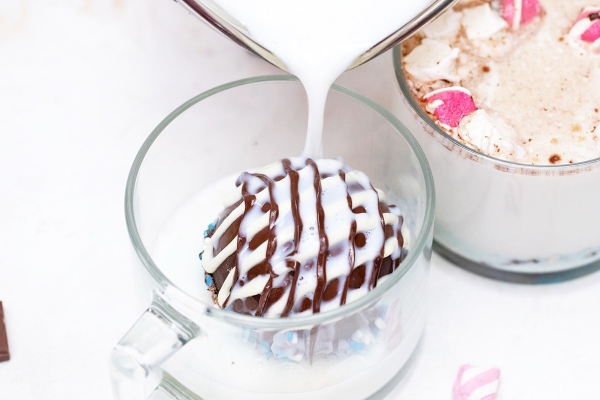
(300, 236)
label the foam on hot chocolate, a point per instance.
(301, 236)
(535, 84)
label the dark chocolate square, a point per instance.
(4, 353)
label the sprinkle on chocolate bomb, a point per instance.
(300, 236)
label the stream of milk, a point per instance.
(318, 40)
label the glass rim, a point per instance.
(292, 322)
(500, 164)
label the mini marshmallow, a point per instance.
(518, 12)
(450, 105)
(482, 22)
(431, 61)
(445, 28)
(587, 27)
(476, 383)
(489, 135)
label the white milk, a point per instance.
(181, 239)
(319, 39)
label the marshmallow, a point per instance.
(476, 383)
(587, 27)
(489, 135)
(431, 61)
(445, 28)
(482, 22)
(517, 12)
(450, 105)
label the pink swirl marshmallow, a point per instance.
(517, 12)
(587, 26)
(450, 105)
(476, 383)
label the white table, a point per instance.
(82, 83)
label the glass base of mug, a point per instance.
(512, 276)
(170, 388)
(386, 391)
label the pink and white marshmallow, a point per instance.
(587, 27)
(476, 383)
(518, 12)
(450, 105)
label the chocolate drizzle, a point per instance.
(351, 244)
(323, 241)
(293, 265)
(379, 260)
(267, 296)
(295, 232)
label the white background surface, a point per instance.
(82, 83)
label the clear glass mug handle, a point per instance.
(136, 360)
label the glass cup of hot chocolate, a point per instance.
(504, 102)
(311, 274)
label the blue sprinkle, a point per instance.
(357, 346)
(211, 225)
(252, 335)
(209, 280)
(264, 345)
(206, 233)
(200, 256)
(290, 336)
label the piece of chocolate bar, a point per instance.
(4, 353)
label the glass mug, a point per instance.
(502, 219)
(174, 192)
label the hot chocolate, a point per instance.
(530, 70)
